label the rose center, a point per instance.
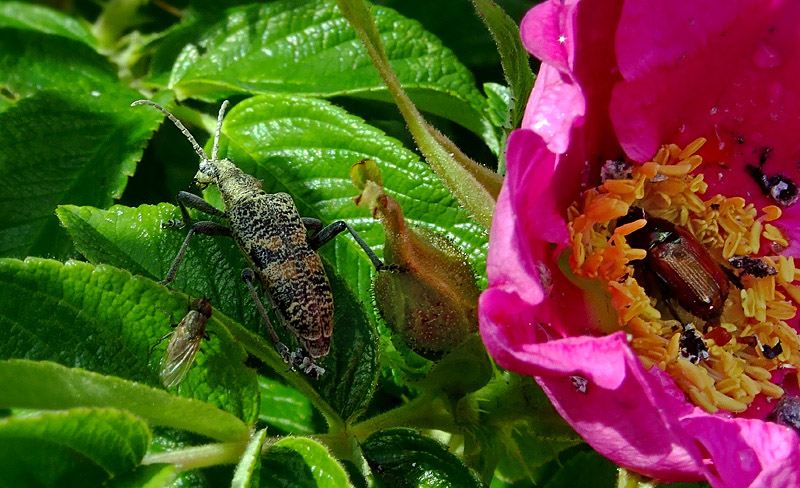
(697, 283)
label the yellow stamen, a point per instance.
(736, 370)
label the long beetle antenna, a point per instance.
(181, 127)
(215, 147)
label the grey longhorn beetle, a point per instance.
(277, 242)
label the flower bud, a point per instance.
(427, 295)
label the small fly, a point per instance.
(184, 344)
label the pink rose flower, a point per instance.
(621, 78)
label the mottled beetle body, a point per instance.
(683, 268)
(271, 234)
(278, 243)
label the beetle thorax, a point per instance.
(234, 184)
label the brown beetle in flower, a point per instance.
(684, 270)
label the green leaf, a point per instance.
(255, 50)
(405, 458)
(43, 19)
(46, 385)
(513, 56)
(586, 469)
(166, 439)
(151, 476)
(306, 147)
(68, 136)
(133, 238)
(32, 61)
(526, 452)
(499, 104)
(248, 471)
(287, 409)
(79, 447)
(61, 147)
(105, 320)
(301, 463)
(449, 20)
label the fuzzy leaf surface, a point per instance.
(301, 463)
(46, 385)
(37, 18)
(306, 46)
(150, 476)
(405, 458)
(248, 471)
(61, 147)
(305, 147)
(287, 409)
(73, 448)
(513, 55)
(133, 238)
(34, 60)
(113, 320)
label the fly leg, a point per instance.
(247, 277)
(203, 227)
(153, 347)
(319, 236)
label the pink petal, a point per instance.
(721, 69)
(626, 414)
(522, 271)
(542, 29)
(573, 38)
(748, 453)
(531, 167)
(553, 108)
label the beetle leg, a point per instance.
(324, 235)
(204, 227)
(186, 199)
(305, 363)
(247, 277)
(312, 225)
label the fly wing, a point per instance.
(178, 358)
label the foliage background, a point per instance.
(84, 179)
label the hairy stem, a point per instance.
(473, 185)
(424, 412)
(200, 456)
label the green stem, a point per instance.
(629, 479)
(113, 21)
(424, 412)
(200, 456)
(266, 353)
(472, 184)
